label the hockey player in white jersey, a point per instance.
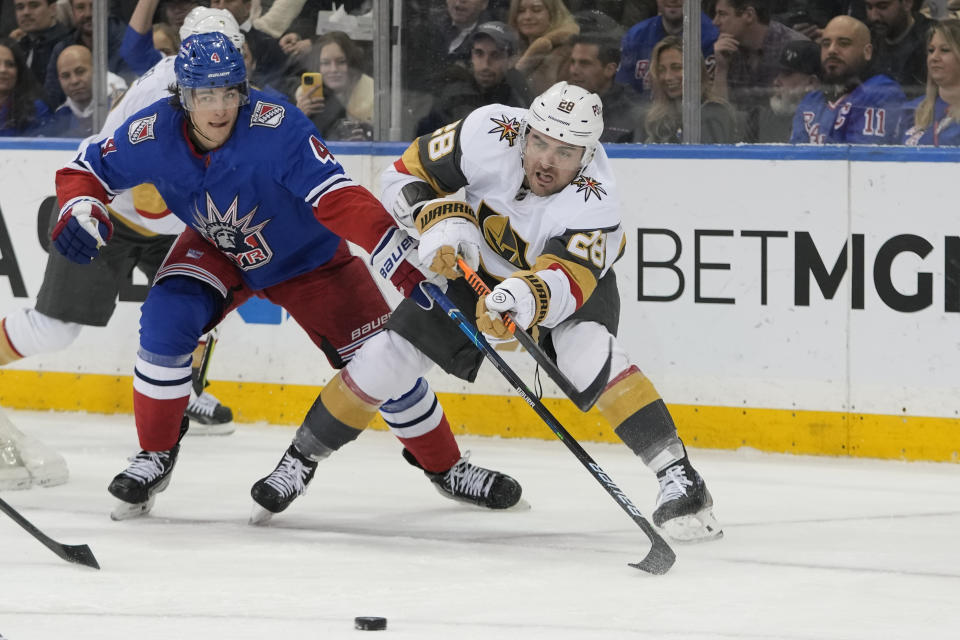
(71, 298)
(540, 217)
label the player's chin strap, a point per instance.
(583, 399)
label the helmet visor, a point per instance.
(215, 98)
(548, 151)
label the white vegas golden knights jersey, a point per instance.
(576, 231)
(142, 207)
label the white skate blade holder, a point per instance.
(128, 510)
(698, 527)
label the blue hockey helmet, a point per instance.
(209, 61)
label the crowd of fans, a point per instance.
(808, 71)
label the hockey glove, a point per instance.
(82, 229)
(395, 259)
(525, 296)
(448, 229)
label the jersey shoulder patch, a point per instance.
(506, 128)
(589, 187)
(142, 129)
(267, 114)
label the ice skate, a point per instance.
(684, 505)
(13, 473)
(274, 493)
(466, 482)
(208, 415)
(147, 475)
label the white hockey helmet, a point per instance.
(569, 113)
(207, 20)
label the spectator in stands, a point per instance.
(174, 11)
(74, 118)
(545, 27)
(22, 109)
(438, 38)
(166, 40)
(594, 60)
(808, 17)
(664, 122)
(490, 79)
(850, 107)
(271, 60)
(138, 49)
(82, 33)
(899, 38)
(799, 75)
(934, 119)
(637, 45)
(38, 32)
(345, 110)
(748, 57)
(951, 11)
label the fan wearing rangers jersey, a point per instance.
(540, 217)
(72, 297)
(267, 211)
(848, 110)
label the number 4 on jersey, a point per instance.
(320, 151)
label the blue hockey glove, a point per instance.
(82, 229)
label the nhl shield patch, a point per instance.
(142, 129)
(267, 114)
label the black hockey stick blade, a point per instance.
(659, 559)
(583, 399)
(75, 553)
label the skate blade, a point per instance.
(15, 479)
(47, 477)
(127, 510)
(259, 516)
(698, 527)
(200, 429)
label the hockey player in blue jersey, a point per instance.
(847, 108)
(268, 209)
(639, 41)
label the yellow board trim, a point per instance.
(896, 437)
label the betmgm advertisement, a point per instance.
(798, 301)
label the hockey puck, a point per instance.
(369, 623)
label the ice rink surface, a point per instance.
(815, 548)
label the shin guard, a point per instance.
(339, 415)
(635, 410)
(418, 421)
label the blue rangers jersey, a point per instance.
(943, 131)
(272, 198)
(867, 115)
(638, 44)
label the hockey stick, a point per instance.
(200, 382)
(660, 557)
(583, 399)
(76, 553)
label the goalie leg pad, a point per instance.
(33, 333)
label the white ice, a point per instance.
(815, 548)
